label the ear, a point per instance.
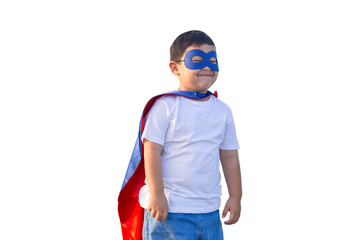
(174, 68)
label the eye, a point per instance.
(196, 59)
(213, 60)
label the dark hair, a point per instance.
(187, 39)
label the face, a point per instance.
(195, 80)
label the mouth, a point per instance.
(205, 75)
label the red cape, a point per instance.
(130, 212)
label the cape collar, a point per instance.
(193, 95)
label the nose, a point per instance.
(206, 68)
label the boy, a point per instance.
(184, 136)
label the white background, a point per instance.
(75, 76)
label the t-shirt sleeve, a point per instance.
(156, 123)
(230, 141)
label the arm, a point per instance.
(231, 167)
(153, 169)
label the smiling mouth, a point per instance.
(205, 75)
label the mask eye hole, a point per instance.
(197, 59)
(213, 60)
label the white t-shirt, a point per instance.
(192, 132)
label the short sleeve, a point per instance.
(230, 141)
(156, 123)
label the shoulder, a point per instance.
(167, 100)
(165, 103)
(220, 104)
(224, 110)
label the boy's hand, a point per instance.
(158, 206)
(233, 205)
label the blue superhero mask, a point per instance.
(193, 65)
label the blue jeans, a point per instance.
(183, 226)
